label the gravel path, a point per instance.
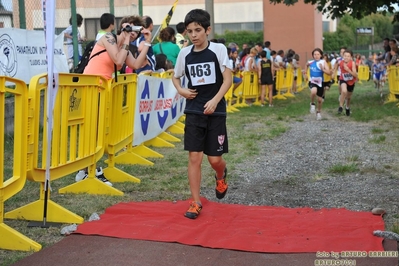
(293, 170)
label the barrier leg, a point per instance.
(168, 137)
(146, 152)
(136, 155)
(34, 211)
(14, 240)
(91, 185)
(158, 142)
(175, 129)
(116, 175)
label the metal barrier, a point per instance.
(119, 129)
(250, 89)
(393, 81)
(10, 238)
(77, 141)
(363, 73)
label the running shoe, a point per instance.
(318, 116)
(194, 210)
(81, 175)
(348, 111)
(221, 186)
(312, 108)
(100, 176)
(340, 109)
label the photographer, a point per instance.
(116, 54)
(118, 51)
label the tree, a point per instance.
(356, 8)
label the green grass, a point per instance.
(167, 179)
(342, 169)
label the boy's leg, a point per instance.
(344, 93)
(270, 94)
(313, 92)
(262, 94)
(194, 178)
(219, 165)
(194, 174)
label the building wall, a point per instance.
(298, 27)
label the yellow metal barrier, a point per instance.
(393, 81)
(300, 83)
(288, 81)
(119, 127)
(363, 73)
(229, 100)
(9, 238)
(250, 89)
(77, 141)
(280, 84)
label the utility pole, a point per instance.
(209, 8)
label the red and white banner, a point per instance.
(158, 107)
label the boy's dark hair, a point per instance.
(228, 51)
(262, 54)
(280, 52)
(259, 44)
(79, 20)
(272, 52)
(199, 16)
(180, 27)
(106, 20)
(147, 21)
(267, 44)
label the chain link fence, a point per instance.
(27, 14)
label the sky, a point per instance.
(7, 4)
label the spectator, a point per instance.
(233, 54)
(117, 52)
(68, 34)
(267, 49)
(149, 63)
(265, 73)
(181, 40)
(167, 45)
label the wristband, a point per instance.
(147, 44)
(125, 46)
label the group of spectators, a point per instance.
(159, 57)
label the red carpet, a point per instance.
(240, 227)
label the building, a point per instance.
(299, 27)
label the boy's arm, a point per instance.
(186, 93)
(210, 106)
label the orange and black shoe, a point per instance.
(221, 186)
(194, 210)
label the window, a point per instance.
(326, 26)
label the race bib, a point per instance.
(318, 81)
(202, 73)
(347, 76)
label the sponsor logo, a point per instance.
(8, 56)
(221, 139)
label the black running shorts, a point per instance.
(206, 133)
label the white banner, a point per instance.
(23, 53)
(158, 107)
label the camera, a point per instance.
(129, 28)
